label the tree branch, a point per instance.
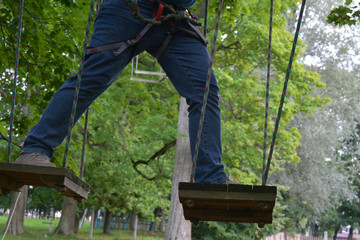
(159, 153)
(2, 137)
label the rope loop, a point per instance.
(174, 14)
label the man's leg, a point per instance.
(186, 62)
(113, 24)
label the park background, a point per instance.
(316, 160)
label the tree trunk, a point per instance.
(350, 237)
(178, 227)
(316, 230)
(157, 213)
(162, 222)
(51, 219)
(337, 228)
(67, 220)
(133, 223)
(92, 224)
(107, 222)
(153, 223)
(77, 222)
(16, 226)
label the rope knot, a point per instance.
(174, 14)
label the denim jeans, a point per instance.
(185, 61)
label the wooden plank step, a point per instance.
(227, 203)
(13, 176)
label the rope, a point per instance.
(98, 4)
(284, 91)
(207, 87)
(15, 79)
(173, 15)
(206, 17)
(11, 216)
(84, 144)
(77, 89)
(267, 89)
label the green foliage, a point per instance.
(43, 199)
(345, 15)
(48, 53)
(132, 121)
(241, 75)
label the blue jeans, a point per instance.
(185, 61)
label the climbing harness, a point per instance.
(157, 18)
(173, 14)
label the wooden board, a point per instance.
(227, 203)
(13, 176)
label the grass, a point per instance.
(38, 229)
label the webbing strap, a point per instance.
(121, 46)
(195, 33)
(169, 35)
(160, 11)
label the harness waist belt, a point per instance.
(122, 46)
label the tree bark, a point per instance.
(92, 224)
(133, 223)
(316, 230)
(162, 222)
(77, 223)
(153, 223)
(178, 227)
(107, 222)
(51, 218)
(350, 237)
(337, 228)
(16, 226)
(67, 220)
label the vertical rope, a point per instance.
(206, 16)
(84, 144)
(267, 89)
(15, 79)
(11, 216)
(98, 6)
(77, 89)
(83, 152)
(284, 91)
(206, 93)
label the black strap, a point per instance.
(199, 34)
(169, 35)
(121, 46)
(195, 33)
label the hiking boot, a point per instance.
(35, 159)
